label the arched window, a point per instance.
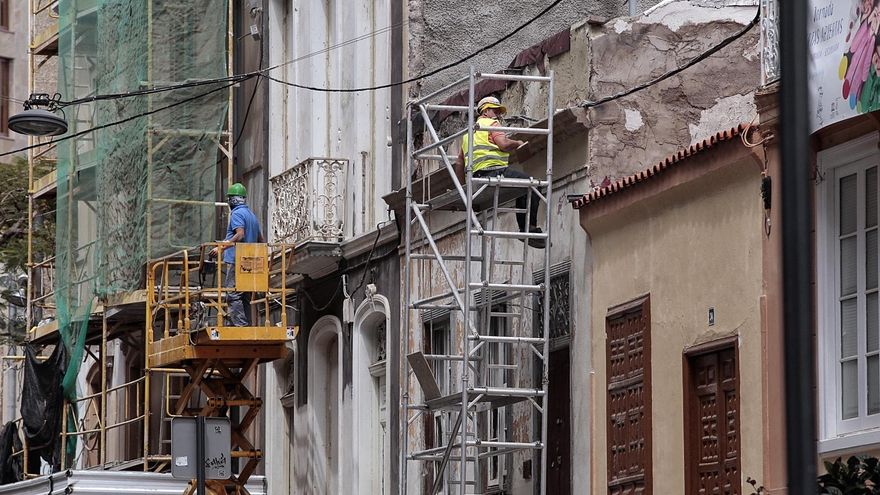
(370, 372)
(325, 403)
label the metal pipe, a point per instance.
(447, 108)
(519, 130)
(407, 274)
(103, 449)
(439, 91)
(465, 368)
(513, 77)
(440, 142)
(509, 235)
(545, 373)
(797, 259)
(516, 287)
(509, 340)
(508, 182)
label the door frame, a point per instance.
(691, 440)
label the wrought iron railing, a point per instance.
(309, 201)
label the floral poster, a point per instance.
(844, 59)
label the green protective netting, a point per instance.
(146, 187)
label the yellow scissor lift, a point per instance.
(186, 334)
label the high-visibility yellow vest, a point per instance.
(486, 153)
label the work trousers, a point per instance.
(238, 303)
(521, 201)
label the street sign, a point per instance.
(184, 455)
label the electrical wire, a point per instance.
(694, 61)
(235, 77)
(122, 121)
(588, 104)
(426, 74)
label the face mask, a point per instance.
(234, 201)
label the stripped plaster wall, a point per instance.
(443, 31)
(634, 132)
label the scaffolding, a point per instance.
(126, 197)
(497, 366)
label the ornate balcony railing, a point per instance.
(769, 41)
(309, 201)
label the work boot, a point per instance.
(537, 243)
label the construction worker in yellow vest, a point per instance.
(491, 155)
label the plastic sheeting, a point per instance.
(41, 403)
(10, 464)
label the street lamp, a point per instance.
(39, 117)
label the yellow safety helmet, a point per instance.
(491, 102)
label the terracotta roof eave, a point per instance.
(641, 176)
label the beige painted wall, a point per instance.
(693, 247)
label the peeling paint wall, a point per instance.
(635, 132)
(443, 31)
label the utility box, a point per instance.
(251, 267)
(218, 444)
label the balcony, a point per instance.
(308, 208)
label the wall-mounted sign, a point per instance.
(844, 59)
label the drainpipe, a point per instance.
(10, 386)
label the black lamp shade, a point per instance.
(38, 122)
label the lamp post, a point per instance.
(39, 117)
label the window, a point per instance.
(5, 91)
(437, 344)
(712, 420)
(4, 14)
(847, 234)
(628, 352)
(498, 364)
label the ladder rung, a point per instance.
(510, 287)
(510, 235)
(512, 77)
(505, 209)
(520, 130)
(445, 258)
(505, 445)
(509, 182)
(502, 366)
(502, 314)
(507, 391)
(508, 340)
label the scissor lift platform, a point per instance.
(187, 304)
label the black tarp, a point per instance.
(42, 403)
(10, 443)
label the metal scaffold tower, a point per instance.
(481, 398)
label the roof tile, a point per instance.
(669, 161)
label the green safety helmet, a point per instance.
(237, 189)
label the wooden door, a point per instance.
(559, 424)
(712, 423)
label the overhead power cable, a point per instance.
(587, 104)
(426, 74)
(694, 61)
(235, 77)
